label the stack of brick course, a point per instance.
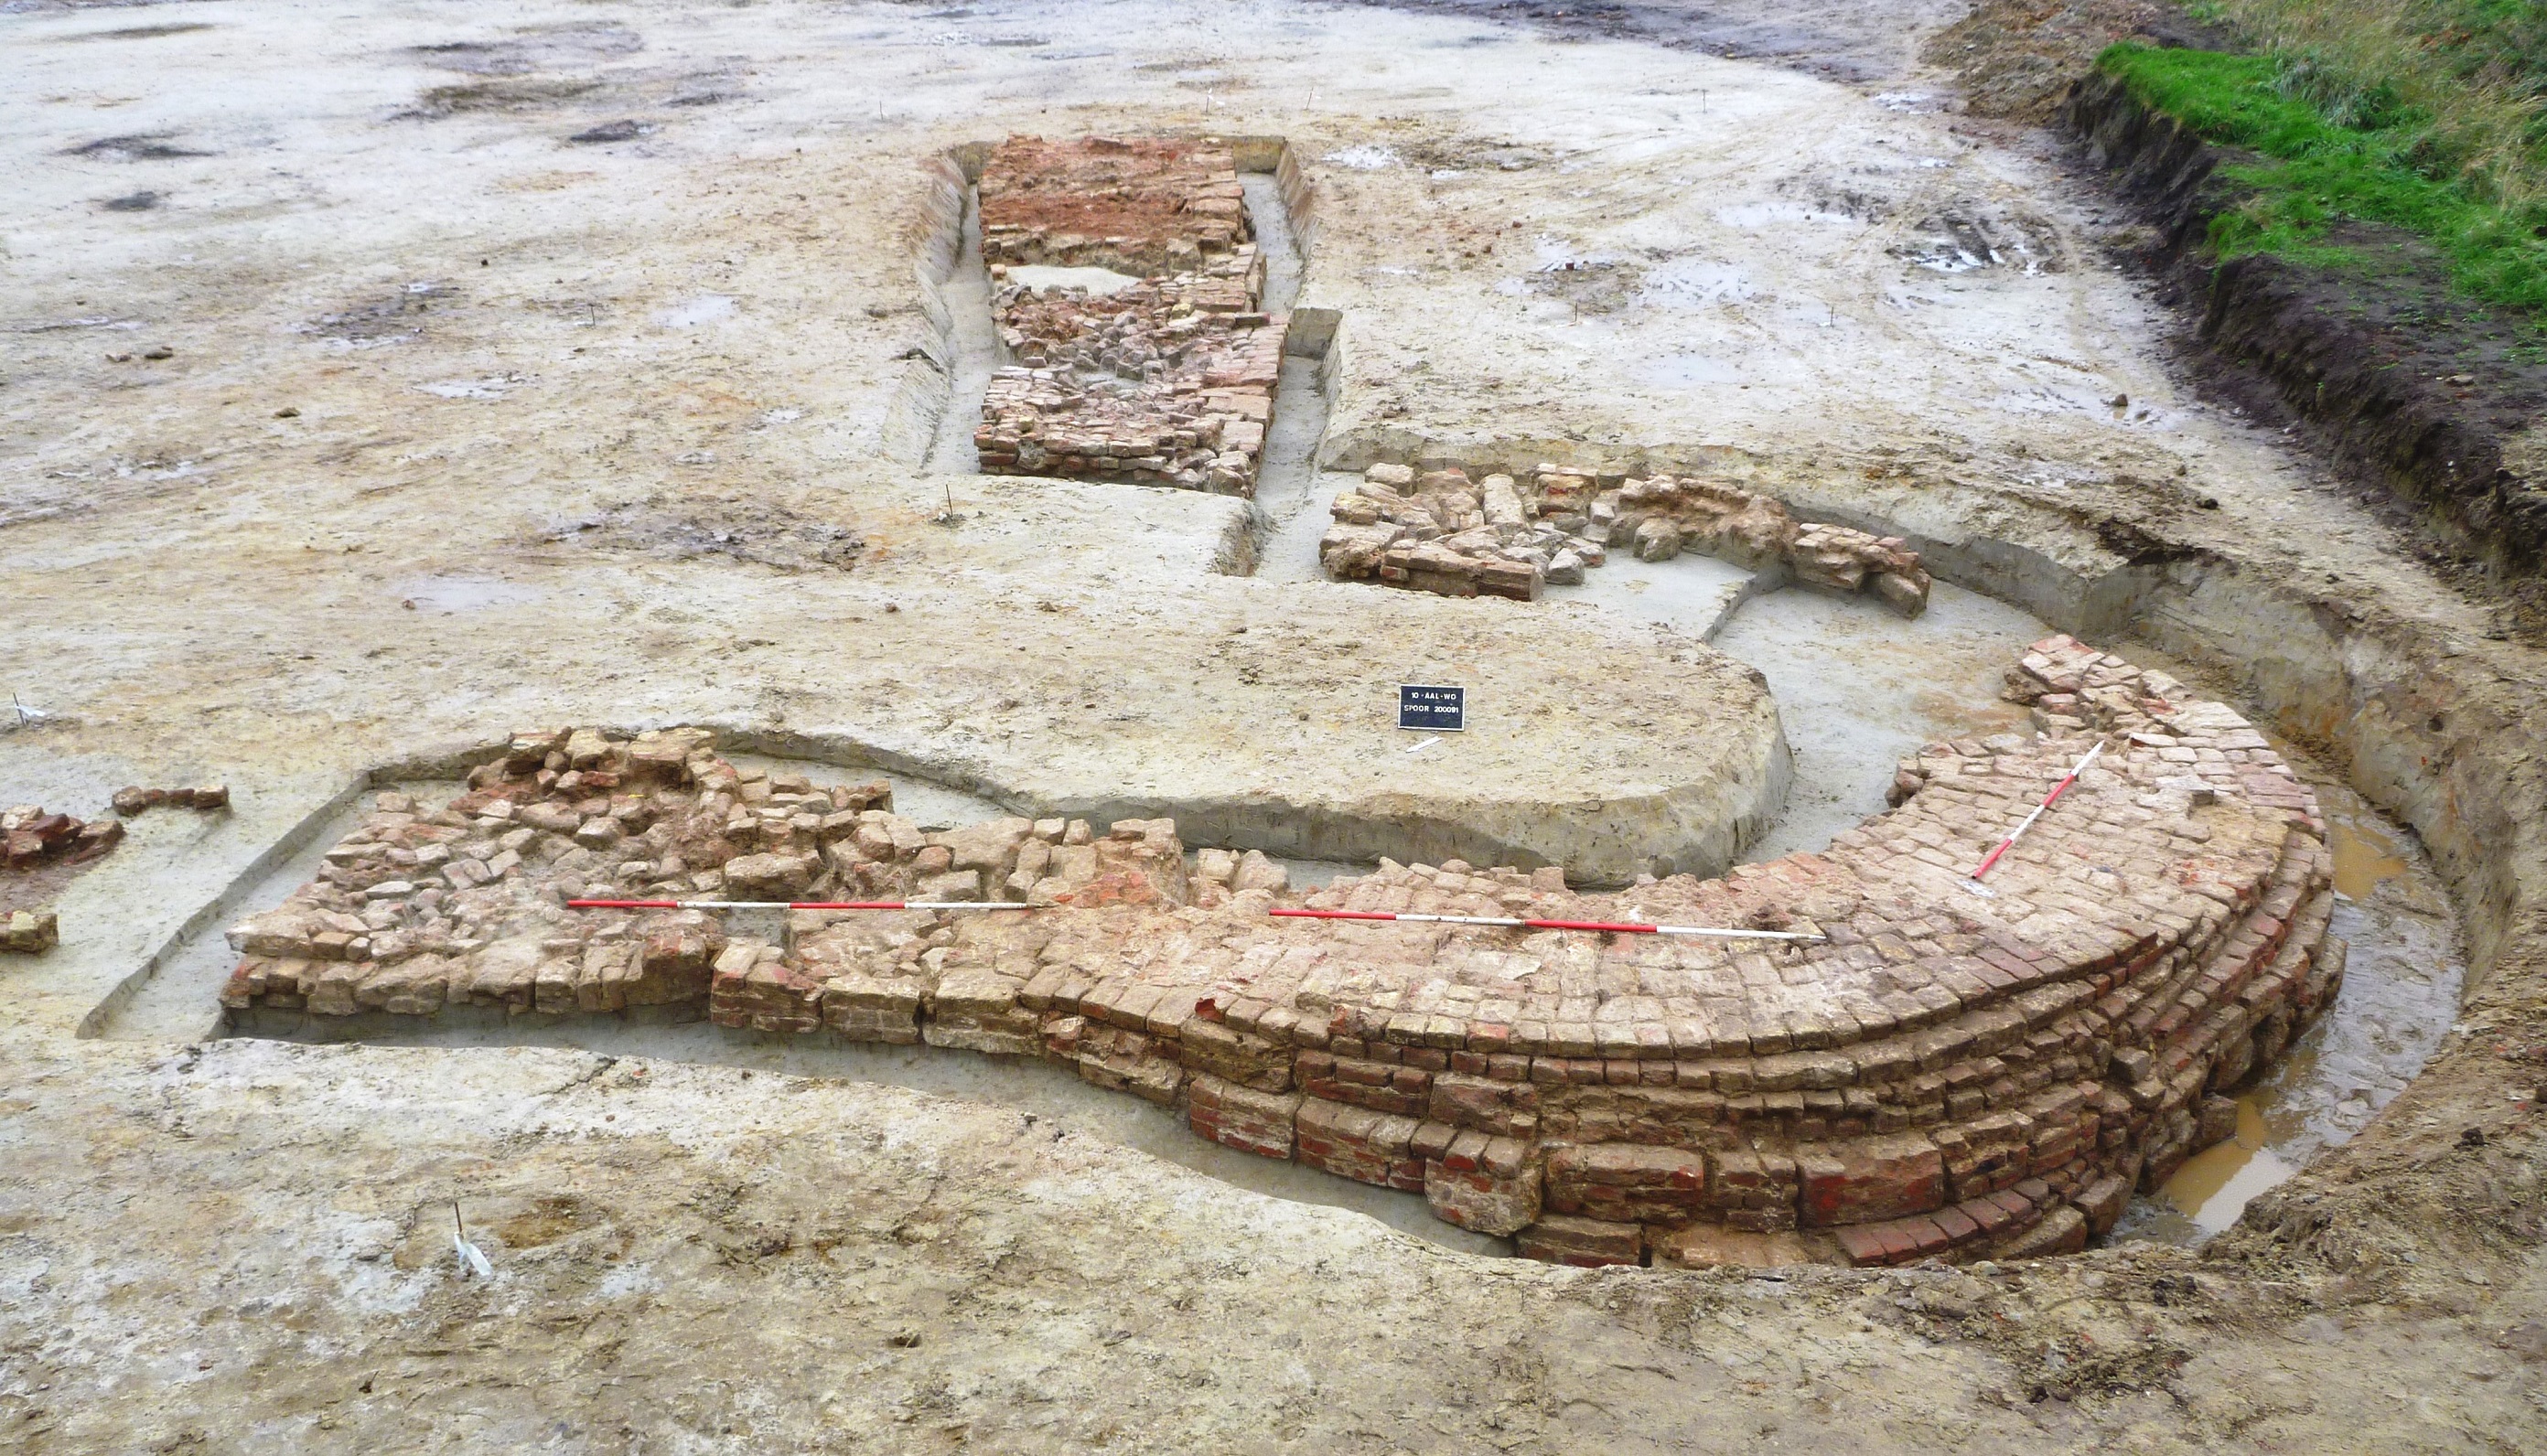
(1949, 1074)
(1506, 536)
(1167, 381)
(1137, 205)
(136, 800)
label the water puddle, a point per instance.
(2401, 993)
(691, 312)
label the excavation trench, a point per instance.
(1858, 689)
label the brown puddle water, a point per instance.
(2401, 993)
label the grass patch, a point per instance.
(2342, 148)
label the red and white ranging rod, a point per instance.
(802, 904)
(1621, 927)
(2057, 791)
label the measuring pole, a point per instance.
(805, 905)
(1621, 927)
(2057, 791)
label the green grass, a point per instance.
(2341, 146)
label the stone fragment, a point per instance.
(1657, 540)
(30, 932)
(1257, 872)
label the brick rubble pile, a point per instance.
(1168, 380)
(1950, 1075)
(31, 839)
(1508, 536)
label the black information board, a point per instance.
(1440, 709)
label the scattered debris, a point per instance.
(390, 318)
(148, 146)
(685, 526)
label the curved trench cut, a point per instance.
(1949, 1072)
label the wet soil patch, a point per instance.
(1589, 284)
(545, 48)
(142, 146)
(687, 527)
(397, 314)
(141, 33)
(1960, 238)
(622, 130)
(38, 888)
(504, 94)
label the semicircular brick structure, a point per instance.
(1951, 1074)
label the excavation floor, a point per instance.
(557, 364)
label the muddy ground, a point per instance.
(488, 364)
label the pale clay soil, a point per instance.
(590, 432)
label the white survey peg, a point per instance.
(469, 1258)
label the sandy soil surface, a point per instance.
(541, 363)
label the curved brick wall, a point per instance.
(1950, 1075)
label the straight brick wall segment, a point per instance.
(1872, 1097)
(1168, 380)
(1501, 534)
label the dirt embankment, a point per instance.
(2436, 396)
(2016, 59)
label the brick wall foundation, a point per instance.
(1947, 1076)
